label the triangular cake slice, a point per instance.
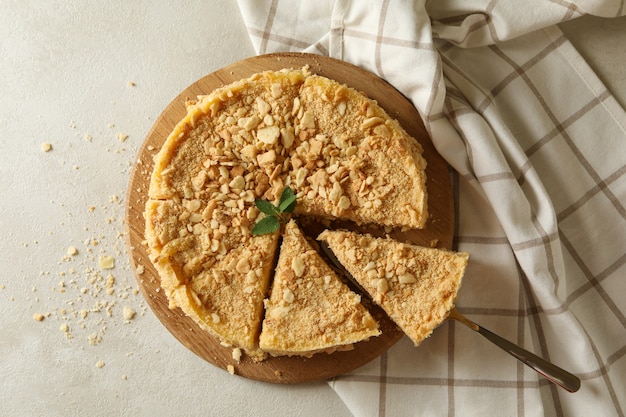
(310, 309)
(220, 286)
(416, 286)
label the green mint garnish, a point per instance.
(287, 202)
(274, 214)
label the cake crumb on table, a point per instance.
(106, 262)
(46, 147)
(129, 313)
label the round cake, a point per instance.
(342, 155)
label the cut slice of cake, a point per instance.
(416, 286)
(220, 285)
(310, 309)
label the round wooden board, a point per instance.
(439, 229)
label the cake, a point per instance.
(343, 156)
(310, 309)
(416, 286)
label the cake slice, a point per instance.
(416, 286)
(221, 287)
(310, 309)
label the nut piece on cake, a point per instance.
(416, 286)
(310, 309)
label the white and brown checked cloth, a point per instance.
(539, 149)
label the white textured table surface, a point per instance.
(90, 79)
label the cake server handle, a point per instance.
(547, 369)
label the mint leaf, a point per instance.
(274, 214)
(266, 225)
(266, 207)
(287, 202)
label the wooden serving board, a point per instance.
(439, 229)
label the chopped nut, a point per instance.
(279, 312)
(263, 107)
(382, 286)
(198, 181)
(267, 157)
(276, 90)
(341, 107)
(371, 122)
(243, 265)
(407, 278)
(238, 183)
(301, 176)
(315, 147)
(370, 266)
(249, 152)
(344, 202)
(288, 295)
(287, 137)
(307, 121)
(269, 135)
(336, 192)
(297, 265)
(249, 123)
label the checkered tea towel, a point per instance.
(538, 145)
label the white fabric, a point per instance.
(539, 149)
